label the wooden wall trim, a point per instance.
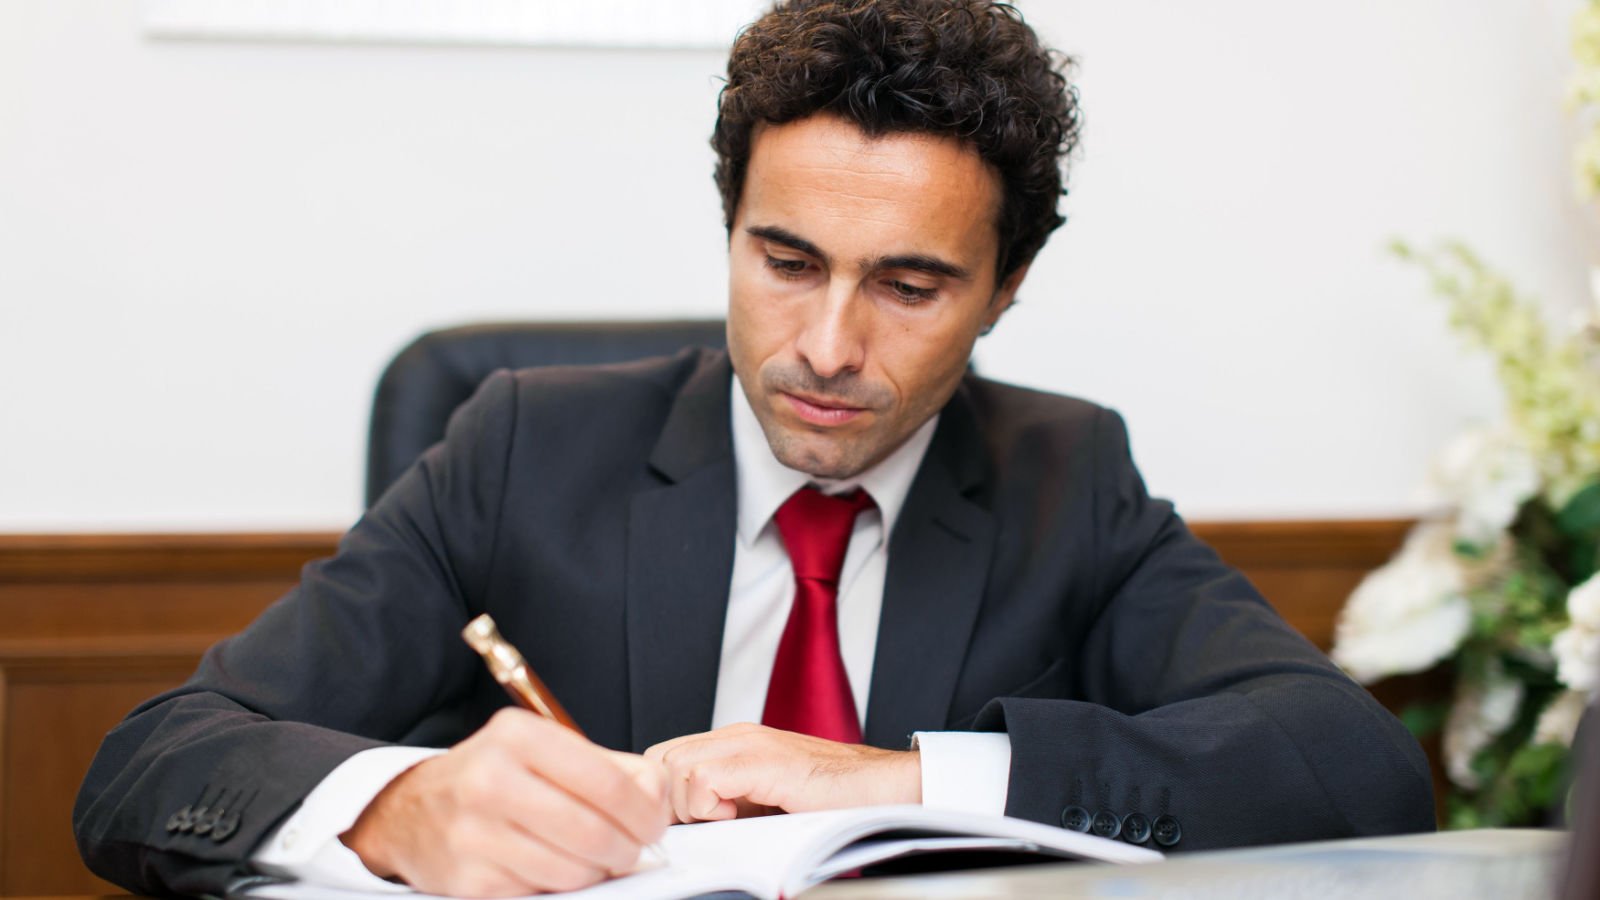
(100, 650)
(72, 865)
(47, 558)
(1366, 543)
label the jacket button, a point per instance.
(195, 817)
(1075, 818)
(205, 823)
(225, 827)
(1106, 825)
(1135, 828)
(176, 820)
(1167, 831)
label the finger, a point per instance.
(658, 751)
(689, 763)
(650, 775)
(486, 858)
(692, 801)
(536, 866)
(718, 735)
(749, 809)
(695, 797)
(689, 750)
(587, 771)
(479, 878)
(767, 773)
(550, 814)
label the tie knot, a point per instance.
(816, 530)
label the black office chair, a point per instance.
(438, 371)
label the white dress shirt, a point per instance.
(960, 770)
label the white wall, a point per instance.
(209, 250)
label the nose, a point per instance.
(834, 337)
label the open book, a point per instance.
(780, 856)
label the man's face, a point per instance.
(861, 270)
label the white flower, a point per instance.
(1482, 710)
(1559, 721)
(1583, 604)
(1577, 647)
(1486, 475)
(1407, 615)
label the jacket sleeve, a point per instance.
(182, 791)
(1204, 716)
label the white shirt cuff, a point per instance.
(965, 771)
(307, 846)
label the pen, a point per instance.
(508, 667)
(512, 671)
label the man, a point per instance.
(833, 530)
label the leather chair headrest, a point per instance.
(438, 371)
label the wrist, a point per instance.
(897, 777)
(369, 850)
(366, 839)
(912, 761)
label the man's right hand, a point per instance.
(523, 806)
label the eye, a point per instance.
(788, 268)
(910, 294)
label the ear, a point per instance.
(1003, 297)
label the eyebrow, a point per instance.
(916, 262)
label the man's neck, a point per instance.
(764, 482)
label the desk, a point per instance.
(1501, 864)
(1491, 863)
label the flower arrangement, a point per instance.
(1584, 94)
(1505, 588)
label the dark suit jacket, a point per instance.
(1033, 587)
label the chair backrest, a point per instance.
(438, 371)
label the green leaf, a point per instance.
(1581, 516)
(1487, 763)
(1537, 771)
(1581, 562)
(1485, 625)
(1425, 718)
(1538, 635)
(1462, 817)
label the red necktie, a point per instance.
(809, 691)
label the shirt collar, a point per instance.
(764, 483)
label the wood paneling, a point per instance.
(90, 625)
(60, 712)
(1306, 569)
(157, 557)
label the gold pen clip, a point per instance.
(512, 671)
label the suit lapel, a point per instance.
(938, 562)
(680, 560)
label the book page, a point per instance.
(788, 853)
(781, 855)
(870, 851)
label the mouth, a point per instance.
(820, 411)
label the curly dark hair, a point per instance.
(968, 69)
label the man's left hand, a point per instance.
(741, 768)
